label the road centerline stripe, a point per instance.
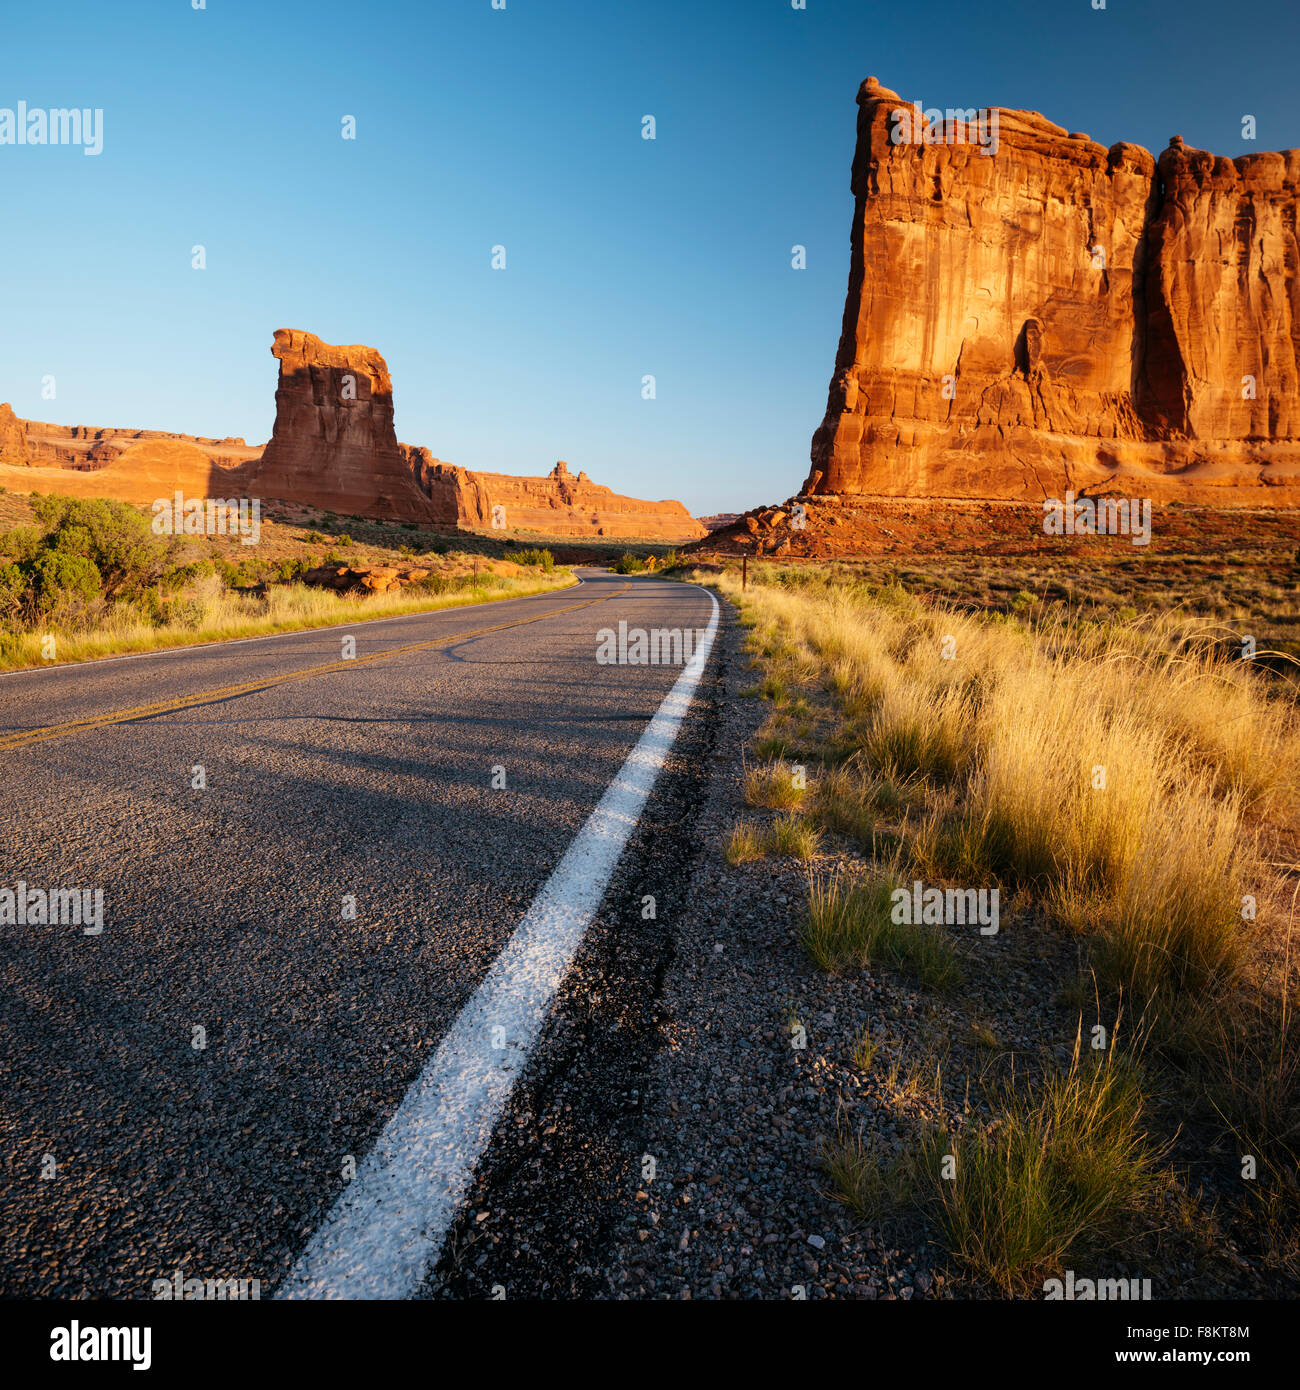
(21, 738)
(387, 1227)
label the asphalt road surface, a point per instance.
(186, 1089)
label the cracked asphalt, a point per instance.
(197, 1077)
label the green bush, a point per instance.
(543, 559)
(13, 588)
(289, 570)
(22, 543)
(628, 563)
(113, 537)
(60, 584)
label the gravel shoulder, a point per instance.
(758, 1066)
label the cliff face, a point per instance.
(13, 437)
(561, 505)
(333, 445)
(458, 496)
(1060, 315)
(89, 448)
(1224, 296)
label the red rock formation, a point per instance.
(370, 579)
(458, 496)
(333, 445)
(1223, 296)
(146, 471)
(1060, 315)
(90, 447)
(561, 505)
(13, 437)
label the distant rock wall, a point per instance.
(13, 437)
(561, 505)
(333, 447)
(151, 468)
(458, 496)
(1061, 315)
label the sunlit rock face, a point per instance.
(1029, 312)
(333, 445)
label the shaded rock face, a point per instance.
(1061, 315)
(458, 496)
(333, 445)
(13, 437)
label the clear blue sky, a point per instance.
(522, 127)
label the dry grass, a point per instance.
(745, 843)
(214, 614)
(870, 1182)
(789, 835)
(1121, 777)
(849, 927)
(1065, 1163)
(776, 786)
(1115, 771)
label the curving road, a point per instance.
(187, 1089)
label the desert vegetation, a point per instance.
(638, 562)
(1129, 781)
(87, 577)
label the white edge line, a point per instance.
(386, 1229)
(290, 632)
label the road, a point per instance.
(191, 1088)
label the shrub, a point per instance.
(849, 928)
(61, 584)
(1065, 1162)
(115, 538)
(13, 587)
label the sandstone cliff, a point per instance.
(13, 437)
(1061, 315)
(333, 445)
(90, 447)
(152, 468)
(561, 505)
(458, 496)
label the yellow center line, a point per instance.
(76, 726)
